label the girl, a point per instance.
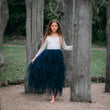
(46, 70)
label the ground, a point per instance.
(14, 98)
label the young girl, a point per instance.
(46, 70)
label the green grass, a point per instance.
(98, 44)
(16, 40)
(15, 62)
(98, 63)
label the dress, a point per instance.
(47, 72)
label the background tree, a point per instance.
(107, 85)
(3, 22)
(52, 9)
(81, 35)
(34, 31)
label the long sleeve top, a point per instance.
(54, 43)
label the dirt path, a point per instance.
(13, 98)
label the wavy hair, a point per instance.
(49, 31)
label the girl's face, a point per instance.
(54, 27)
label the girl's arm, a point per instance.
(41, 49)
(65, 46)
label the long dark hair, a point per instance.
(49, 31)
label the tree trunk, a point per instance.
(77, 30)
(34, 30)
(107, 85)
(3, 22)
(66, 24)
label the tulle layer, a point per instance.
(46, 73)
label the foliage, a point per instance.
(99, 21)
(17, 18)
(52, 10)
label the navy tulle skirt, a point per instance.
(47, 72)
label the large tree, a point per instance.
(3, 22)
(81, 60)
(66, 23)
(34, 30)
(77, 30)
(107, 86)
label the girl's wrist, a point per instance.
(35, 57)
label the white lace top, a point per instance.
(54, 43)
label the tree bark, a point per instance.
(34, 30)
(66, 24)
(3, 22)
(77, 30)
(107, 84)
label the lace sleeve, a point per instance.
(41, 48)
(65, 46)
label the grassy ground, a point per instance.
(15, 61)
(15, 40)
(98, 63)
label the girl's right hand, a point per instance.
(32, 60)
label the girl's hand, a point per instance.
(32, 60)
